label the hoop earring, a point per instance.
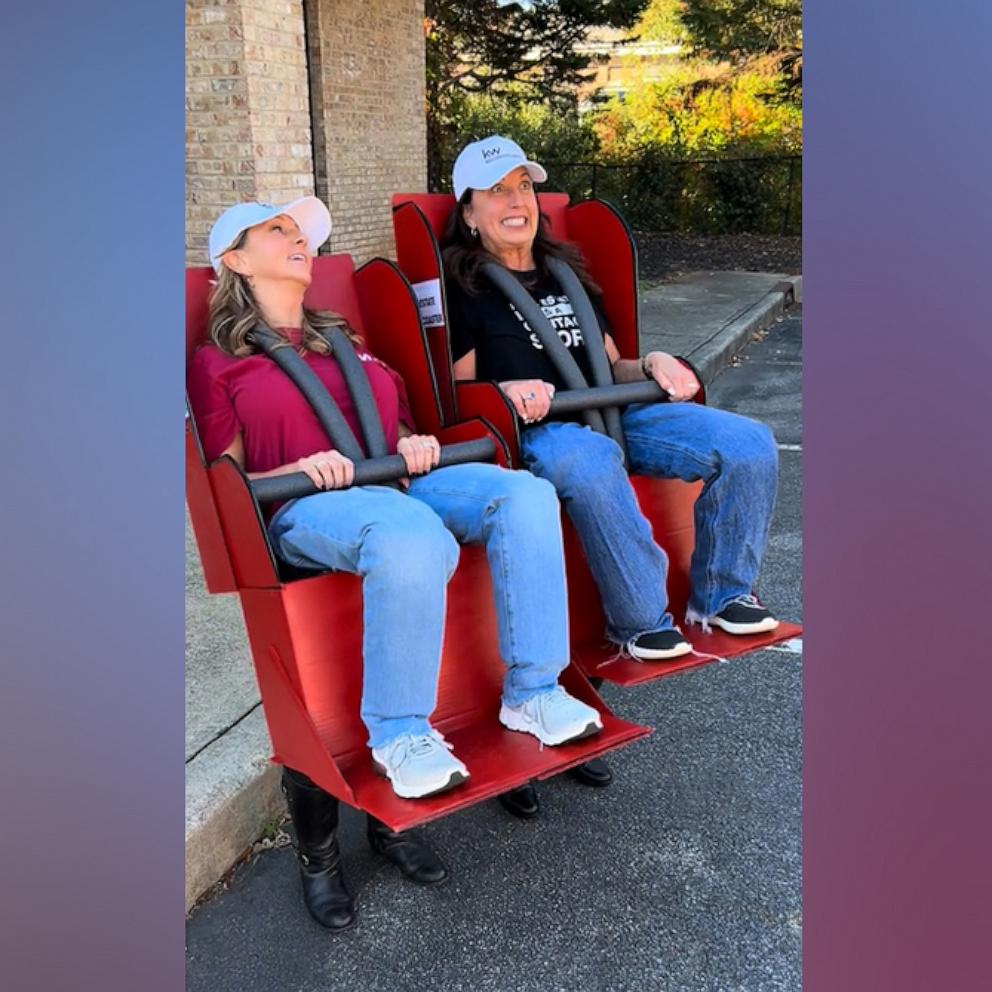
(475, 232)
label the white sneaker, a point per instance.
(553, 717)
(419, 765)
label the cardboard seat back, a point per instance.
(305, 633)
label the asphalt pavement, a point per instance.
(683, 876)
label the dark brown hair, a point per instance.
(463, 254)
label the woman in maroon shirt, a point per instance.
(403, 544)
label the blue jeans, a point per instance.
(405, 547)
(735, 458)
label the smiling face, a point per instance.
(274, 251)
(505, 215)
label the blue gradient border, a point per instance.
(91, 700)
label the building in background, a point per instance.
(617, 63)
(286, 98)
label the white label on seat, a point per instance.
(429, 302)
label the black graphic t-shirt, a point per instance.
(504, 344)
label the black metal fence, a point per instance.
(698, 196)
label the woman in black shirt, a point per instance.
(497, 219)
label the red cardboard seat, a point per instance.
(608, 246)
(305, 634)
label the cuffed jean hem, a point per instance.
(515, 698)
(384, 732)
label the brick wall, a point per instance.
(248, 111)
(367, 90)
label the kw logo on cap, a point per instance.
(488, 153)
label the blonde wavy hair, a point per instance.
(234, 313)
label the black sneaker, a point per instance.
(744, 615)
(659, 645)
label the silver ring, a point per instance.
(530, 396)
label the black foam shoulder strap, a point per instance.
(361, 392)
(313, 390)
(541, 326)
(599, 361)
(606, 421)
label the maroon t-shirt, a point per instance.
(254, 396)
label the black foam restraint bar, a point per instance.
(571, 400)
(361, 392)
(599, 361)
(541, 326)
(314, 391)
(369, 472)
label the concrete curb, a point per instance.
(232, 792)
(715, 354)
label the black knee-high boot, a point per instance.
(314, 813)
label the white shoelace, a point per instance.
(625, 652)
(748, 599)
(421, 745)
(555, 697)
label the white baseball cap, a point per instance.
(484, 163)
(310, 214)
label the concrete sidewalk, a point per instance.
(708, 317)
(231, 788)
